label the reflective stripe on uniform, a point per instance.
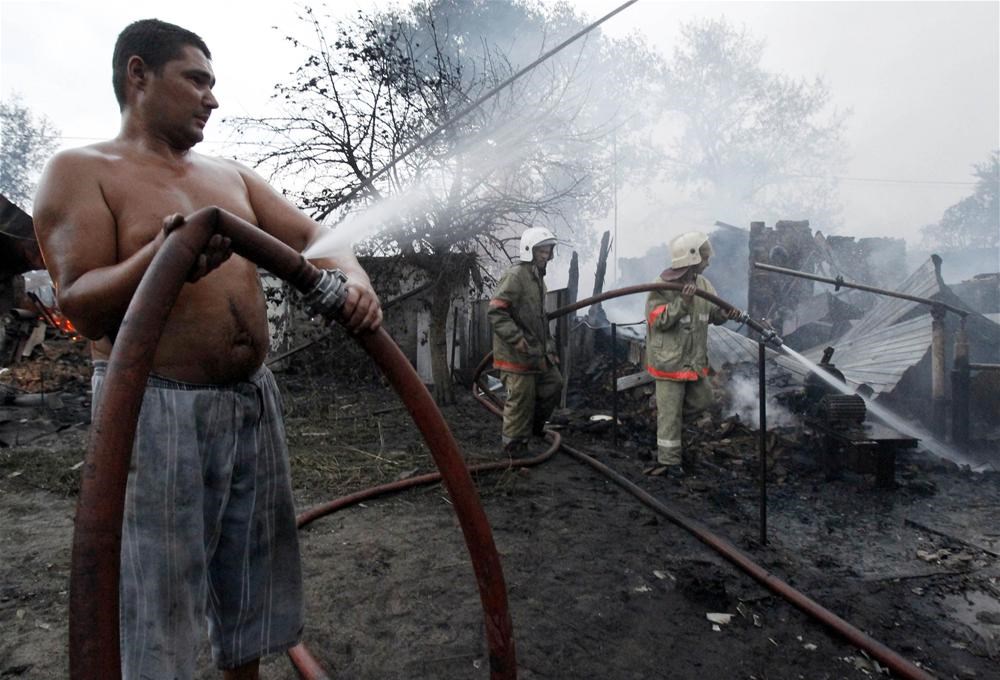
(669, 443)
(512, 366)
(675, 375)
(656, 313)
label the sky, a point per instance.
(921, 78)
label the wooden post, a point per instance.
(573, 282)
(937, 370)
(614, 386)
(595, 315)
(762, 394)
(960, 383)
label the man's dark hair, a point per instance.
(156, 42)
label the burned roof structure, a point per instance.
(19, 251)
(889, 348)
(803, 316)
(18, 254)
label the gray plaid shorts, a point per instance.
(209, 528)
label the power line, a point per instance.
(883, 179)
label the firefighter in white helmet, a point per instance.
(523, 348)
(677, 347)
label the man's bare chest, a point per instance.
(141, 200)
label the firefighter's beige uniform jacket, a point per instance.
(517, 311)
(677, 336)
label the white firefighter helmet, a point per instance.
(685, 250)
(532, 238)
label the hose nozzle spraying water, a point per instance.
(771, 338)
(767, 334)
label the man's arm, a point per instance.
(664, 309)
(275, 215)
(77, 236)
(716, 315)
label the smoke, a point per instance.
(743, 400)
(481, 159)
(385, 216)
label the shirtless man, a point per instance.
(209, 524)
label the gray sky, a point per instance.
(922, 79)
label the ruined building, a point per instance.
(806, 314)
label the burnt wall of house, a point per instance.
(728, 268)
(981, 293)
(407, 320)
(912, 395)
(790, 302)
(877, 262)
(11, 292)
(788, 244)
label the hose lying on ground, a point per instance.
(894, 661)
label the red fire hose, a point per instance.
(898, 664)
(94, 577)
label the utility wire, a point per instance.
(461, 114)
(474, 105)
(882, 179)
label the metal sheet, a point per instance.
(878, 359)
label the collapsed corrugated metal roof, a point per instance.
(924, 282)
(726, 346)
(878, 359)
(895, 335)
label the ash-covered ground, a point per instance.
(599, 585)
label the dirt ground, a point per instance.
(599, 585)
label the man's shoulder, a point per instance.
(89, 155)
(218, 161)
(521, 271)
(71, 176)
(509, 278)
(661, 292)
(511, 271)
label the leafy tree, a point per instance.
(749, 142)
(973, 222)
(26, 142)
(535, 154)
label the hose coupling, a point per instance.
(328, 296)
(770, 337)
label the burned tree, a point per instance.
(377, 85)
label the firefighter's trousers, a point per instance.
(675, 401)
(531, 398)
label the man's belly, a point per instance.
(216, 333)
